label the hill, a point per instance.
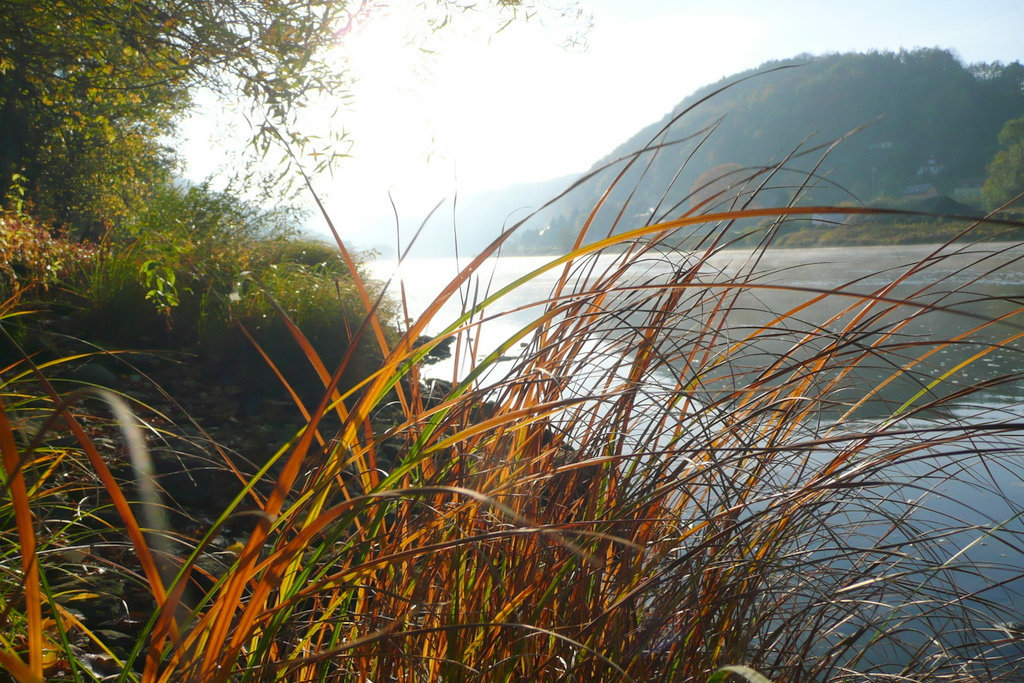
(891, 128)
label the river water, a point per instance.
(954, 293)
(979, 283)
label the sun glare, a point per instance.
(436, 113)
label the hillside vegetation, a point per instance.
(926, 126)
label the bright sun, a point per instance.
(455, 107)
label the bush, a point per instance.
(31, 253)
(183, 281)
(200, 240)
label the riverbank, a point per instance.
(673, 462)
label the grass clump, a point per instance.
(666, 480)
(189, 280)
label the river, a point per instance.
(976, 495)
(989, 281)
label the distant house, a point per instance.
(968, 190)
(920, 191)
(931, 167)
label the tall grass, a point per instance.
(660, 486)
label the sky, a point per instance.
(486, 109)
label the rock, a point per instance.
(437, 354)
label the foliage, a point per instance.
(161, 283)
(90, 91)
(82, 107)
(1005, 181)
(206, 238)
(837, 233)
(220, 260)
(200, 276)
(92, 82)
(31, 254)
(204, 261)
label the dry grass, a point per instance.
(652, 492)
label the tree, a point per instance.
(87, 83)
(1005, 179)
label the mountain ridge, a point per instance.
(897, 127)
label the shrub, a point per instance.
(31, 253)
(203, 240)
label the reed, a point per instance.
(661, 486)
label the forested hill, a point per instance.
(931, 128)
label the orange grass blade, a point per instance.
(21, 672)
(27, 537)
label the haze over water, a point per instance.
(783, 280)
